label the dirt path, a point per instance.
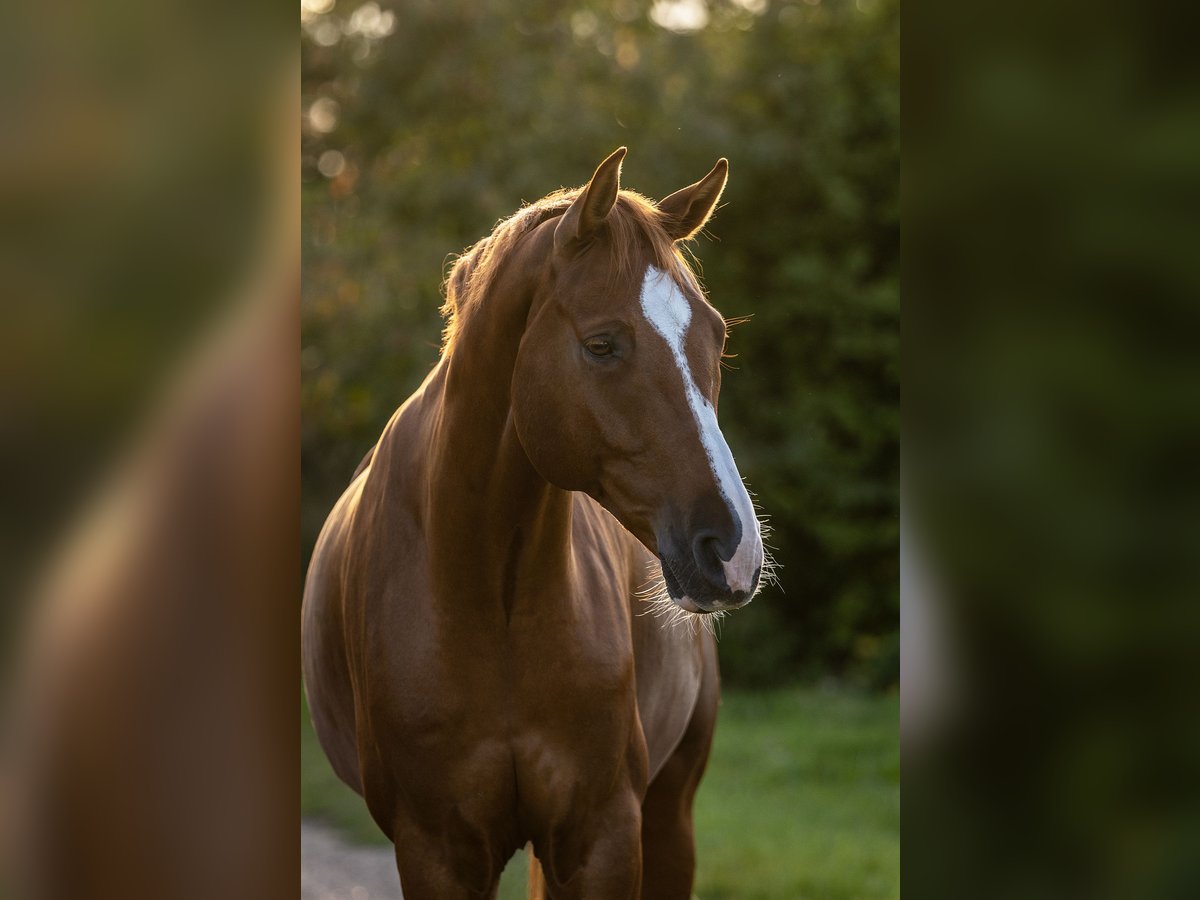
(333, 869)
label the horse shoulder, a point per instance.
(671, 667)
(669, 659)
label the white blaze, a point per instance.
(670, 314)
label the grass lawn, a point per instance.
(801, 800)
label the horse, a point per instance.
(475, 655)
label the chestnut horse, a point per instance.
(475, 660)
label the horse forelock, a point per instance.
(634, 229)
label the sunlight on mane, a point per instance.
(634, 226)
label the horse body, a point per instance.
(475, 658)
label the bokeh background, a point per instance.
(425, 122)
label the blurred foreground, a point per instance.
(1052, 420)
(150, 410)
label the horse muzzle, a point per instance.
(700, 581)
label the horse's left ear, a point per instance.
(687, 210)
(593, 204)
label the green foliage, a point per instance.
(431, 133)
(801, 799)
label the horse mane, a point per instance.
(635, 223)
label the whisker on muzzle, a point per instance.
(770, 567)
(657, 601)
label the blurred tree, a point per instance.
(427, 122)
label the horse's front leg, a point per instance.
(601, 859)
(430, 870)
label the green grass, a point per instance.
(801, 800)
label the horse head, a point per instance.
(616, 384)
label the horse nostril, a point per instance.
(706, 549)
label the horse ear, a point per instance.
(688, 209)
(593, 204)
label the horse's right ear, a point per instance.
(593, 204)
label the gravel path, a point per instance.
(333, 869)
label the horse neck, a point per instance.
(491, 518)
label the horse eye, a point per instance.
(599, 346)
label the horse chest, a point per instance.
(495, 686)
(544, 722)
